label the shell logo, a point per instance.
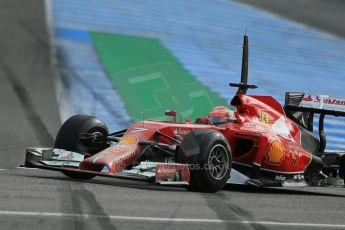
(275, 153)
(129, 140)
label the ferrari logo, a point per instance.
(265, 118)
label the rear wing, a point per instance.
(296, 102)
(320, 104)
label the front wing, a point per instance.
(68, 161)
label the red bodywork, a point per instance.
(260, 134)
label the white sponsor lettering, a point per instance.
(298, 177)
(280, 178)
(136, 129)
(323, 102)
(179, 131)
(166, 170)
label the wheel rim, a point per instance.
(218, 162)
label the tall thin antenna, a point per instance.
(244, 70)
(243, 86)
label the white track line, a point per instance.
(20, 167)
(159, 219)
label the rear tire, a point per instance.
(209, 157)
(68, 138)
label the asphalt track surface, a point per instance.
(29, 113)
(36, 199)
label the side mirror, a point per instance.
(171, 113)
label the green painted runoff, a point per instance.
(150, 79)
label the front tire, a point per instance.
(68, 138)
(209, 157)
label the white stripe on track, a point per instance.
(20, 167)
(161, 219)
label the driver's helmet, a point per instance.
(219, 114)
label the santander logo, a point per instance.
(323, 102)
(308, 98)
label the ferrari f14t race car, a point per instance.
(255, 141)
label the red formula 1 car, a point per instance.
(255, 142)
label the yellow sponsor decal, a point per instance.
(265, 119)
(129, 140)
(275, 153)
(294, 155)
